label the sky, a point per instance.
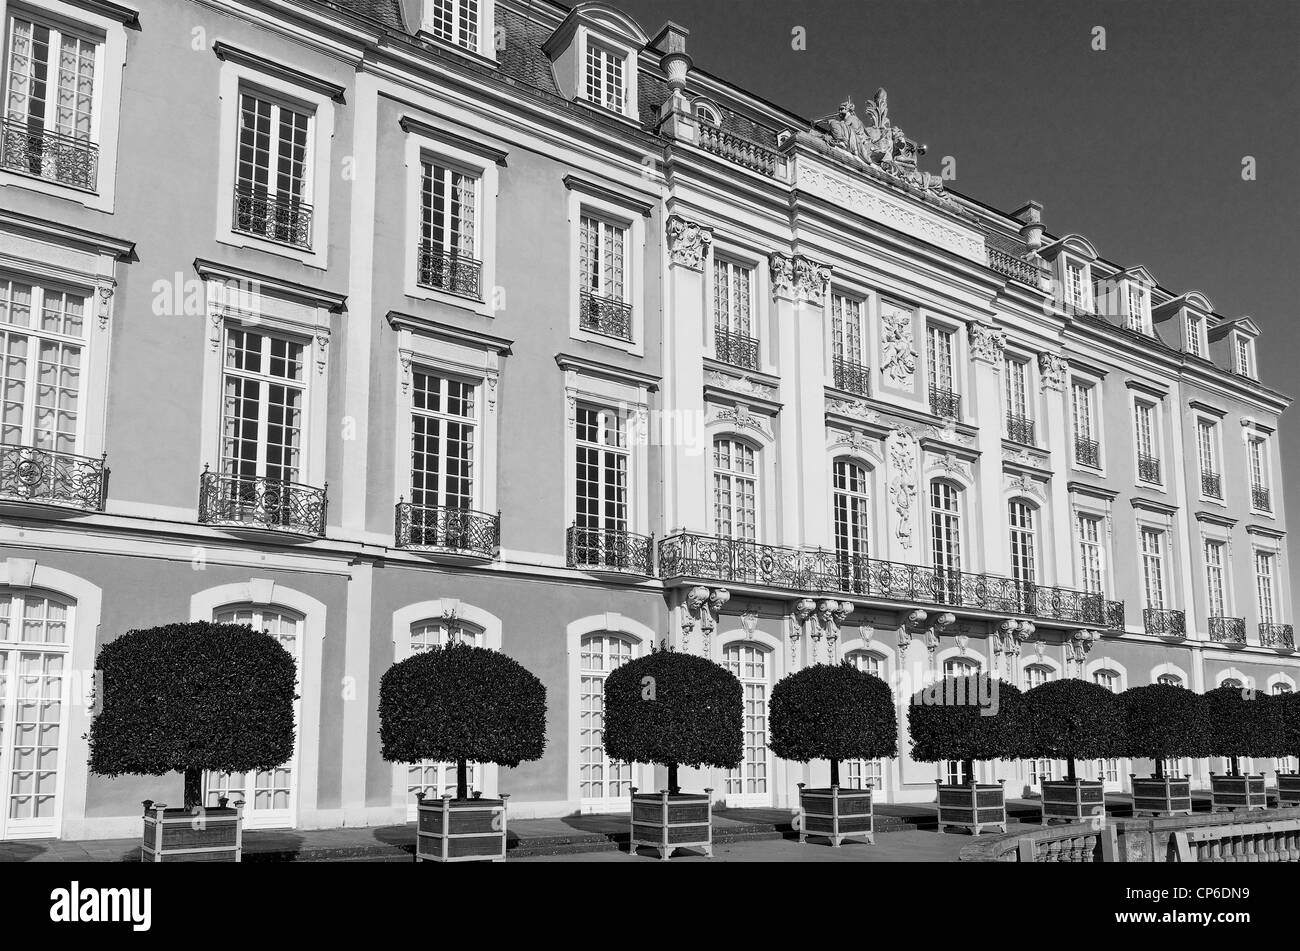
(1138, 147)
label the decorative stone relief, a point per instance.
(898, 346)
(797, 277)
(740, 416)
(856, 409)
(688, 242)
(1052, 371)
(103, 300)
(878, 142)
(1024, 484)
(322, 349)
(902, 482)
(987, 342)
(744, 384)
(948, 463)
(856, 442)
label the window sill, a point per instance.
(632, 347)
(292, 252)
(88, 197)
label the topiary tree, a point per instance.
(969, 718)
(458, 704)
(1072, 719)
(1238, 723)
(674, 709)
(1163, 721)
(832, 712)
(190, 698)
(1285, 722)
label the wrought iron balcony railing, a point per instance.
(66, 159)
(1211, 485)
(28, 474)
(1164, 622)
(944, 402)
(1020, 429)
(1011, 266)
(605, 315)
(610, 549)
(1087, 452)
(261, 502)
(738, 350)
(1281, 636)
(1115, 615)
(735, 561)
(1261, 499)
(445, 528)
(447, 271)
(1148, 468)
(851, 376)
(1228, 630)
(742, 152)
(274, 216)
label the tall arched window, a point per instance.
(602, 782)
(431, 777)
(945, 539)
(1283, 764)
(1042, 768)
(865, 773)
(955, 769)
(749, 785)
(1108, 769)
(1023, 551)
(270, 795)
(851, 510)
(35, 643)
(735, 489)
(1170, 680)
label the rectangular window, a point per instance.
(735, 490)
(1136, 308)
(1144, 436)
(1153, 569)
(945, 539)
(851, 512)
(1207, 454)
(42, 341)
(1214, 587)
(601, 258)
(1264, 585)
(263, 404)
(733, 298)
(846, 329)
(1243, 356)
(1091, 566)
(1017, 388)
(602, 467)
(448, 253)
(1083, 412)
(456, 21)
(939, 354)
(1257, 459)
(1076, 286)
(273, 170)
(49, 120)
(443, 436)
(1194, 335)
(605, 77)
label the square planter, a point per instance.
(666, 822)
(836, 813)
(200, 835)
(974, 806)
(460, 830)
(1170, 796)
(1237, 792)
(1083, 800)
(1288, 789)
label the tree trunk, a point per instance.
(462, 779)
(835, 772)
(1235, 766)
(1069, 774)
(193, 787)
(969, 766)
(1160, 767)
(673, 788)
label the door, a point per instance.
(751, 784)
(604, 784)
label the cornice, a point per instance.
(297, 77)
(598, 368)
(278, 287)
(433, 328)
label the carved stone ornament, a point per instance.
(855, 441)
(856, 409)
(877, 142)
(104, 300)
(743, 384)
(902, 482)
(740, 417)
(987, 343)
(798, 277)
(688, 242)
(1052, 371)
(898, 346)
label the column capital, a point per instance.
(987, 342)
(688, 242)
(1052, 371)
(797, 277)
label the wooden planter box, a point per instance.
(199, 835)
(974, 806)
(460, 830)
(1083, 800)
(665, 822)
(1237, 792)
(1162, 797)
(836, 813)
(1288, 789)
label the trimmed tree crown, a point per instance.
(1163, 721)
(674, 708)
(832, 712)
(1286, 717)
(461, 702)
(1073, 719)
(975, 717)
(196, 695)
(1239, 722)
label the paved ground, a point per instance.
(903, 846)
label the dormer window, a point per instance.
(707, 113)
(605, 86)
(1245, 365)
(1194, 345)
(594, 56)
(463, 23)
(1076, 285)
(1136, 299)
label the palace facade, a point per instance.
(498, 321)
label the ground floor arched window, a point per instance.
(603, 783)
(750, 785)
(865, 773)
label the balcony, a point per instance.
(687, 555)
(259, 502)
(1115, 616)
(605, 315)
(275, 217)
(944, 402)
(1279, 636)
(449, 272)
(65, 159)
(1211, 485)
(47, 477)
(442, 528)
(740, 151)
(1261, 499)
(1228, 630)
(1148, 468)
(1011, 266)
(609, 549)
(738, 350)
(851, 376)
(1162, 622)
(1087, 452)
(1020, 429)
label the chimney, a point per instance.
(1031, 229)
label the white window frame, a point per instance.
(1155, 433)
(1093, 417)
(1243, 356)
(1080, 298)
(1267, 610)
(1194, 328)
(1098, 544)
(1216, 558)
(1259, 470)
(1210, 446)
(1137, 307)
(484, 35)
(734, 476)
(1157, 559)
(586, 204)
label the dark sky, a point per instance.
(1139, 147)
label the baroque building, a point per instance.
(497, 321)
